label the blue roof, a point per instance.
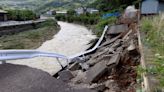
(150, 7)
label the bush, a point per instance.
(21, 15)
(83, 18)
(60, 17)
(104, 22)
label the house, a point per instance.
(152, 7)
(92, 10)
(161, 6)
(61, 12)
(80, 10)
(83, 10)
(51, 12)
(3, 15)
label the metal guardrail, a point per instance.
(94, 48)
(26, 54)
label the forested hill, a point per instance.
(43, 4)
(105, 5)
(65, 4)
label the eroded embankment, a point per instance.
(113, 66)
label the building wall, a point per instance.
(1, 17)
(161, 6)
(150, 7)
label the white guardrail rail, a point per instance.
(26, 54)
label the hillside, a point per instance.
(43, 4)
(106, 5)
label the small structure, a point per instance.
(161, 6)
(92, 10)
(3, 15)
(61, 12)
(51, 12)
(80, 10)
(83, 10)
(152, 7)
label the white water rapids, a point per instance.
(70, 40)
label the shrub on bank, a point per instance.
(98, 29)
(21, 15)
(88, 19)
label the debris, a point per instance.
(117, 29)
(84, 90)
(112, 86)
(65, 75)
(84, 66)
(112, 67)
(130, 12)
(131, 47)
(98, 87)
(80, 78)
(74, 66)
(114, 60)
(95, 72)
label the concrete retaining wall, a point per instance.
(10, 30)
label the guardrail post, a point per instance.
(60, 63)
(3, 62)
(68, 62)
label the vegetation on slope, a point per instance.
(21, 15)
(30, 39)
(154, 29)
(106, 5)
(44, 5)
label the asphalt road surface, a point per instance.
(19, 78)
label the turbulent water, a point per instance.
(70, 40)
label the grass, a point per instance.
(30, 39)
(153, 27)
(98, 28)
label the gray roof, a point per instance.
(150, 7)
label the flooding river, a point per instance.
(70, 40)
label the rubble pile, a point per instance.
(112, 67)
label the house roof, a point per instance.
(150, 7)
(2, 11)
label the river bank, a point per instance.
(71, 39)
(31, 38)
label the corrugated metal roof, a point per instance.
(2, 11)
(150, 7)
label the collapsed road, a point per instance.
(111, 68)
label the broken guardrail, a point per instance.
(26, 54)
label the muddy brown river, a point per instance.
(70, 40)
